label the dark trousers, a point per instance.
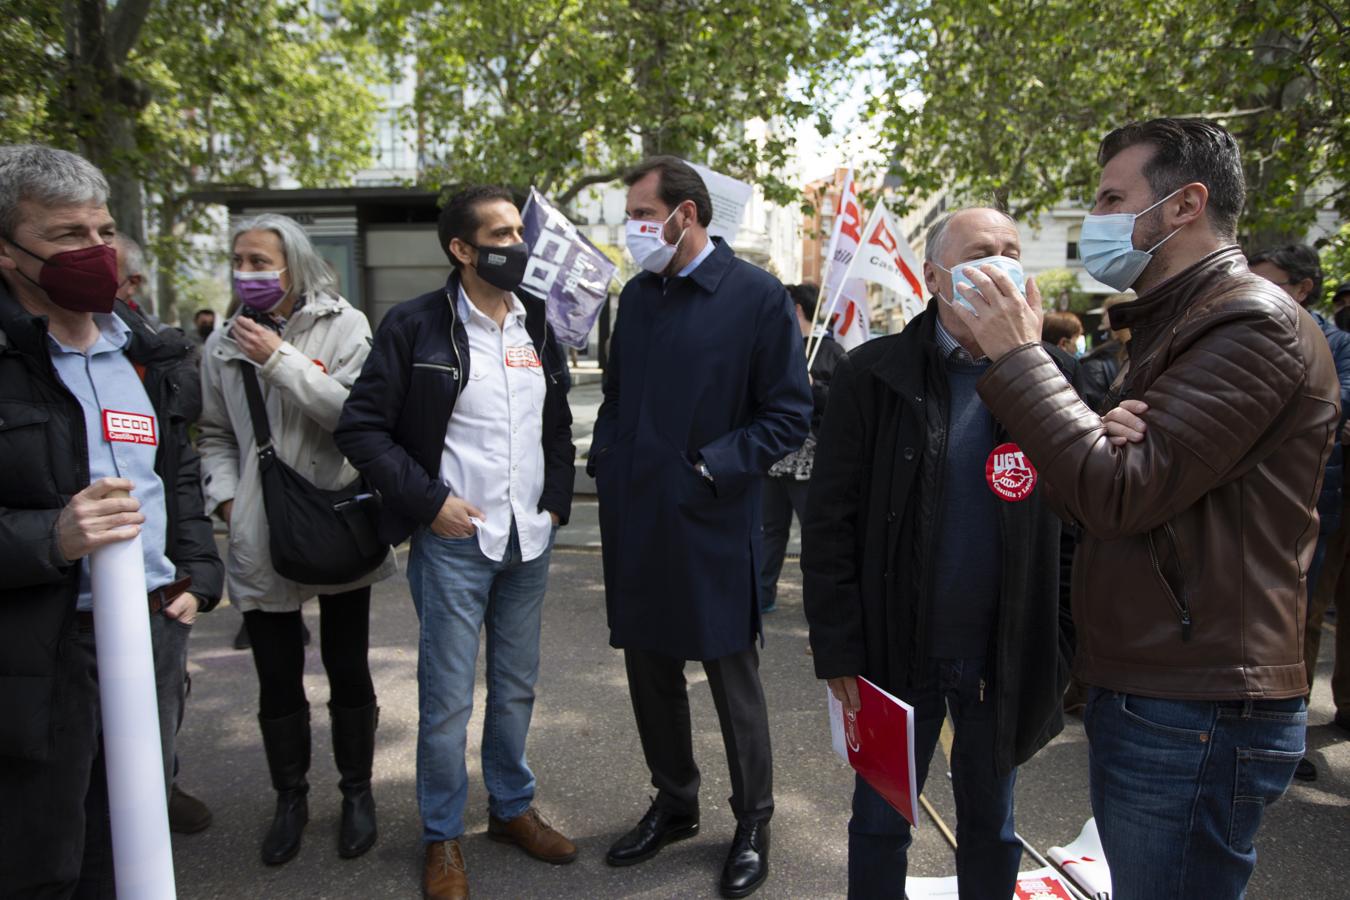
(781, 498)
(344, 642)
(55, 839)
(988, 852)
(661, 706)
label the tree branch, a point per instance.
(124, 27)
(567, 196)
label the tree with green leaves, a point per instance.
(1010, 102)
(564, 94)
(172, 97)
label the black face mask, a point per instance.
(503, 267)
(205, 329)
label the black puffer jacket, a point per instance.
(42, 444)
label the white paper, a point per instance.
(941, 888)
(729, 198)
(142, 854)
(1084, 861)
(836, 724)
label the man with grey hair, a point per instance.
(931, 566)
(71, 370)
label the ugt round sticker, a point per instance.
(1009, 473)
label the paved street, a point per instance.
(592, 783)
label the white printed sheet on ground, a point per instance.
(1038, 884)
(1084, 861)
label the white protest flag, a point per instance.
(1084, 861)
(886, 259)
(847, 296)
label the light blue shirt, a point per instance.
(694, 263)
(104, 380)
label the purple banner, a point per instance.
(567, 270)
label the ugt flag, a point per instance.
(847, 296)
(567, 270)
(886, 259)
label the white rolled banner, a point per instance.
(134, 757)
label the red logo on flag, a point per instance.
(851, 212)
(128, 428)
(1009, 473)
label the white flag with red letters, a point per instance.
(846, 314)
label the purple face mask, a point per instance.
(260, 291)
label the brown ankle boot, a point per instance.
(443, 875)
(536, 837)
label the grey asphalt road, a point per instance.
(594, 786)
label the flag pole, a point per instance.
(829, 264)
(811, 358)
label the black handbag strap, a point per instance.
(257, 410)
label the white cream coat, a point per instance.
(303, 404)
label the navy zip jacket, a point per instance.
(393, 423)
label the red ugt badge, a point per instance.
(1009, 473)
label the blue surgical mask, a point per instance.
(1106, 247)
(1012, 267)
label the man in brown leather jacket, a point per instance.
(1188, 594)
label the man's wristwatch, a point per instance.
(704, 471)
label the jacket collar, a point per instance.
(710, 272)
(1167, 300)
(535, 308)
(909, 355)
(27, 333)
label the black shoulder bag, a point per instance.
(315, 536)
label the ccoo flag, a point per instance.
(567, 270)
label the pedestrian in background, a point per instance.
(305, 345)
(785, 487)
(1189, 584)
(1064, 330)
(1098, 369)
(1297, 271)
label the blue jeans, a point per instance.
(989, 852)
(457, 591)
(1179, 787)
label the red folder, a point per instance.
(878, 741)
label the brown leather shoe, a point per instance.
(531, 833)
(443, 876)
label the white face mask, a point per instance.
(1106, 247)
(958, 272)
(647, 243)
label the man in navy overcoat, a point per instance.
(706, 389)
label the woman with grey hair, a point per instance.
(305, 345)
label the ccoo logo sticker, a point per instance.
(1009, 473)
(128, 428)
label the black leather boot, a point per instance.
(286, 741)
(354, 751)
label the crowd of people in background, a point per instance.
(988, 506)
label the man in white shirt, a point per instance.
(460, 419)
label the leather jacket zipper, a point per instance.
(1179, 602)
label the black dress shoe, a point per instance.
(1305, 770)
(657, 828)
(241, 638)
(747, 863)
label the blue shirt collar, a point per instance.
(697, 260)
(113, 336)
(950, 347)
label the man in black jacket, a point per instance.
(460, 420)
(70, 369)
(931, 569)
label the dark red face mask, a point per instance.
(83, 280)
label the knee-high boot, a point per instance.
(286, 741)
(354, 752)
